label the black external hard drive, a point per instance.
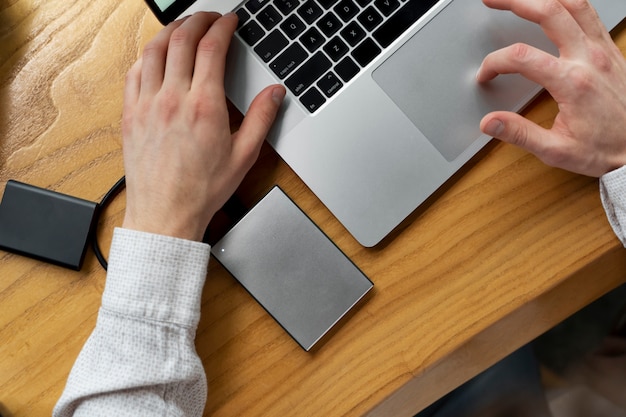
(291, 268)
(45, 224)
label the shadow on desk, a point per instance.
(3, 411)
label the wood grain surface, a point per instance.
(507, 248)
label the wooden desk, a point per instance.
(507, 250)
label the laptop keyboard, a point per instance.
(316, 46)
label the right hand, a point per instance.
(587, 80)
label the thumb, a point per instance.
(515, 129)
(258, 121)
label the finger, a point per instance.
(587, 18)
(154, 58)
(530, 62)
(555, 20)
(183, 43)
(514, 129)
(212, 50)
(256, 124)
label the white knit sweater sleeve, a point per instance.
(140, 359)
(613, 194)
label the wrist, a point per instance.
(177, 229)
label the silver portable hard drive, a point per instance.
(291, 268)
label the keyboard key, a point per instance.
(353, 33)
(336, 48)
(286, 6)
(271, 46)
(251, 33)
(327, 4)
(286, 62)
(366, 52)
(329, 84)
(312, 99)
(243, 16)
(269, 17)
(400, 21)
(308, 73)
(387, 7)
(310, 11)
(293, 26)
(347, 69)
(346, 10)
(370, 18)
(312, 39)
(329, 24)
(256, 5)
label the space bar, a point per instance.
(402, 20)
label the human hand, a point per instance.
(181, 161)
(587, 80)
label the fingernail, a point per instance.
(478, 72)
(278, 95)
(494, 127)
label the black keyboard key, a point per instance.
(329, 24)
(363, 3)
(366, 52)
(346, 10)
(336, 48)
(256, 5)
(387, 7)
(353, 33)
(269, 17)
(286, 6)
(312, 39)
(312, 100)
(308, 73)
(400, 21)
(251, 33)
(286, 62)
(329, 84)
(310, 11)
(293, 26)
(327, 4)
(271, 46)
(370, 18)
(347, 69)
(243, 16)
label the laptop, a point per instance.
(382, 105)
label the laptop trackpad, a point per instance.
(432, 77)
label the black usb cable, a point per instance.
(106, 200)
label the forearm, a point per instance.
(140, 359)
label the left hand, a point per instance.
(181, 161)
(587, 80)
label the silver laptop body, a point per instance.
(393, 134)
